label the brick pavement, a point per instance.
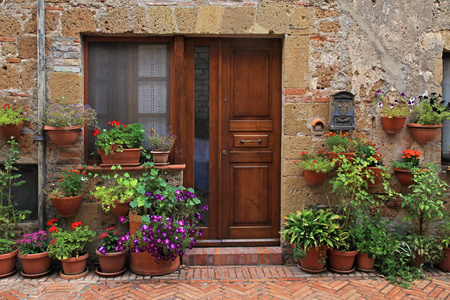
(226, 282)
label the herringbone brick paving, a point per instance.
(226, 282)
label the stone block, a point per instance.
(274, 17)
(162, 20)
(9, 77)
(295, 62)
(141, 24)
(115, 21)
(329, 26)
(322, 13)
(67, 69)
(9, 27)
(209, 19)
(27, 46)
(28, 75)
(292, 146)
(238, 20)
(186, 19)
(9, 49)
(77, 20)
(325, 75)
(303, 21)
(65, 84)
(51, 20)
(293, 194)
(297, 117)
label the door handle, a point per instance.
(224, 152)
(251, 141)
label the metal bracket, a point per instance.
(40, 138)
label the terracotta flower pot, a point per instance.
(314, 178)
(129, 157)
(376, 173)
(405, 177)
(8, 131)
(392, 125)
(68, 206)
(314, 261)
(74, 265)
(135, 222)
(64, 136)
(8, 263)
(143, 263)
(424, 133)
(365, 263)
(121, 209)
(34, 264)
(418, 260)
(340, 261)
(444, 265)
(160, 157)
(112, 262)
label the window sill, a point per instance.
(97, 168)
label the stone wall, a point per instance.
(358, 46)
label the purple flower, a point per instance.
(380, 105)
(122, 219)
(396, 101)
(181, 223)
(166, 241)
(148, 194)
(205, 207)
(378, 92)
(402, 94)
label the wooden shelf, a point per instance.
(97, 168)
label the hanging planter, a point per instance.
(341, 262)
(8, 263)
(128, 157)
(376, 173)
(35, 265)
(392, 125)
(11, 131)
(121, 208)
(405, 177)
(160, 158)
(67, 206)
(314, 178)
(424, 133)
(64, 136)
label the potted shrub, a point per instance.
(9, 214)
(33, 254)
(64, 122)
(370, 157)
(410, 161)
(423, 249)
(315, 167)
(112, 252)
(163, 220)
(444, 264)
(427, 118)
(311, 233)
(70, 247)
(117, 196)
(120, 144)
(394, 109)
(160, 146)
(368, 234)
(12, 118)
(66, 193)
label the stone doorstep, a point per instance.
(233, 256)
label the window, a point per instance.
(129, 81)
(446, 98)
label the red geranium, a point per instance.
(52, 221)
(53, 229)
(76, 224)
(103, 235)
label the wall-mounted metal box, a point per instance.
(342, 111)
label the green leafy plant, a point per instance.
(119, 137)
(307, 228)
(9, 214)
(444, 230)
(111, 241)
(12, 114)
(58, 114)
(161, 141)
(369, 234)
(70, 183)
(430, 111)
(341, 142)
(426, 247)
(317, 162)
(368, 152)
(393, 104)
(33, 243)
(65, 244)
(410, 160)
(425, 202)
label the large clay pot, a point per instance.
(376, 173)
(392, 125)
(68, 206)
(112, 262)
(365, 263)
(8, 263)
(143, 263)
(129, 157)
(11, 131)
(314, 261)
(74, 265)
(160, 157)
(64, 136)
(121, 209)
(424, 133)
(34, 264)
(444, 265)
(340, 261)
(314, 178)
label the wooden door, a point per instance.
(244, 140)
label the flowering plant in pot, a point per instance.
(427, 117)
(315, 167)
(12, 118)
(112, 252)
(64, 122)
(410, 160)
(119, 141)
(370, 157)
(66, 193)
(160, 145)
(310, 233)
(341, 142)
(394, 109)
(33, 253)
(70, 246)
(9, 214)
